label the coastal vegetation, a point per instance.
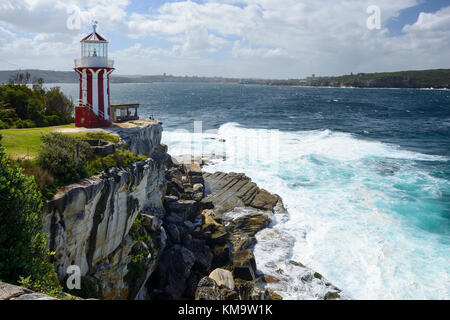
(24, 257)
(25, 107)
(404, 79)
(66, 158)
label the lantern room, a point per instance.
(94, 52)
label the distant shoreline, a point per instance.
(425, 79)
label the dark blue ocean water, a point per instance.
(365, 173)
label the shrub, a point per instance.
(97, 135)
(139, 253)
(118, 159)
(24, 257)
(58, 154)
(43, 178)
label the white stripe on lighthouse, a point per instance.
(95, 90)
(105, 95)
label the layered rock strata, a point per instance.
(89, 222)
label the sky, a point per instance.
(231, 38)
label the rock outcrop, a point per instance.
(89, 222)
(208, 253)
(11, 292)
(140, 136)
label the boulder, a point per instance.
(176, 218)
(206, 204)
(252, 223)
(203, 254)
(174, 269)
(222, 255)
(198, 196)
(274, 296)
(189, 207)
(174, 233)
(223, 278)
(253, 290)
(207, 289)
(229, 294)
(244, 265)
(151, 223)
(265, 200)
(198, 187)
(12, 292)
(332, 296)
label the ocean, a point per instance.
(363, 173)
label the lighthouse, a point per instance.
(94, 68)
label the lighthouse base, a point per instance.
(87, 119)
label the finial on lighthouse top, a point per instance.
(94, 36)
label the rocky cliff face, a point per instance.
(160, 229)
(141, 136)
(89, 222)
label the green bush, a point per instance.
(43, 178)
(97, 135)
(58, 154)
(119, 159)
(24, 257)
(143, 250)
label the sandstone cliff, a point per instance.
(89, 222)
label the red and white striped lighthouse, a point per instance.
(94, 68)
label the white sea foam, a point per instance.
(361, 212)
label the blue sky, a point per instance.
(410, 15)
(232, 38)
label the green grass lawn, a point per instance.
(18, 142)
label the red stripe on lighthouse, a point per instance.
(108, 93)
(101, 98)
(89, 87)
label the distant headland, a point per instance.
(437, 78)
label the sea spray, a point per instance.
(365, 214)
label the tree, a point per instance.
(20, 78)
(57, 104)
(23, 251)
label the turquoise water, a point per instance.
(364, 173)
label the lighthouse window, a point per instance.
(94, 49)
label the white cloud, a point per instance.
(431, 22)
(50, 16)
(241, 50)
(255, 38)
